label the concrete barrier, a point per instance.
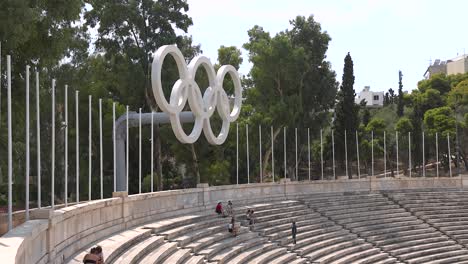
(54, 235)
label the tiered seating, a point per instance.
(390, 227)
(318, 238)
(446, 211)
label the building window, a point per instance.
(376, 97)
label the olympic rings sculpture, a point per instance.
(203, 107)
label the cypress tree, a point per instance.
(400, 105)
(346, 112)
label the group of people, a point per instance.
(233, 229)
(95, 256)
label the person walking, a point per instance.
(230, 209)
(294, 232)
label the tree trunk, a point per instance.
(195, 163)
(267, 155)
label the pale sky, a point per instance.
(382, 36)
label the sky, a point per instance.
(383, 37)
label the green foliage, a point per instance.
(437, 82)
(401, 103)
(404, 125)
(440, 120)
(458, 96)
(377, 125)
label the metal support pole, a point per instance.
(237, 153)
(346, 153)
(423, 157)
(126, 153)
(357, 153)
(284, 146)
(449, 156)
(101, 167)
(66, 144)
(295, 138)
(272, 155)
(53, 147)
(152, 149)
(26, 209)
(139, 151)
(77, 142)
(114, 147)
(437, 155)
(397, 166)
(10, 147)
(247, 146)
(385, 153)
(409, 153)
(308, 150)
(321, 153)
(260, 151)
(372, 152)
(90, 139)
(38, 133)
(333, 152)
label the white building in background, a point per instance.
(454, 66)
(373, 99)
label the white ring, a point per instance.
(186, 89)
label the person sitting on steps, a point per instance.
(232, 227)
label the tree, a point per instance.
(130, 32)
(290, 83)
(392, 95)
(386, 100)
(401, 105)
(346, 110)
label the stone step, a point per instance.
(340, 253)
(365, 210)
(355, 214)
(344, 234)
(371, 253)
(211, 250)
(376, 217)
(325, 243)
(423, 246)
(444, 218)
(173, 222)
(206, 241)
(349, 206)
(284, 259)
(380, 258)
(414, 241)
(187, 238)
(303, 226)
(428, 252)
(388, 225)
(390, 238)
(285, 215)
(133, 254)
(394, 230)
(324, 249)
(252, 252)
(346, 199)
(276, 210)
(257, 207)
(115, 244)
(287, 239)
(229, 252)
(387, 220)
(298, 261)
(448, 225)
(448, 260)
(267, 256)
(443, 255)
(194, 259)
(178, 256)
(277, 222)
(181, 230)
(159, 254)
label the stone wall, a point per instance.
(53, 236)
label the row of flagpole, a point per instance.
(53, 151)
(66, 126)
(333, 154)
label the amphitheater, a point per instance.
(418, 220)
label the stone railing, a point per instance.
(54, 235)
